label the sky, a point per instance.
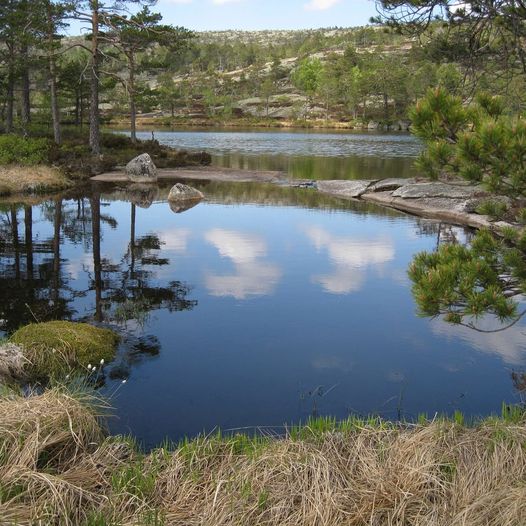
(202, 15)
(206, 15)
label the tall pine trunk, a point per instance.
(55, 112)
(131, 92)
(94, 116)
(10, 96)
(26, 89)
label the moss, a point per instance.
(55, 348)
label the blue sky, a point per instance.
(203, 15)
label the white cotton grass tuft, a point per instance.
(102, 361)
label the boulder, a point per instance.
(141, 169)
(12, 362)
(182, 193)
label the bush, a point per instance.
(23, 150)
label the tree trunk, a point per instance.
(26, 90)
(94, 114)
(10, 103)
(131, 91)
(77, 109)
(55, 113)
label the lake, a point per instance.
(255, 309)
(302, 154)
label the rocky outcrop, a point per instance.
(453, 203)
(436, 190)
(141, 170)
(385, 185)
(182, 193)
(344, 188)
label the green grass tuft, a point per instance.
(56, 348)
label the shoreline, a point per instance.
(452, 203)
(60, 467)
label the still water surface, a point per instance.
(259, 307)
(302, 154)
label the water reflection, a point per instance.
(509, 345)
(253, 277)
(257, 307)
(350, 258)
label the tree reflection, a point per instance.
(30, 270)
(37, 283)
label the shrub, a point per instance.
(23, 150)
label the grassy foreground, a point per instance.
(57, 467)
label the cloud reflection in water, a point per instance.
(350, 257)
(253, 277)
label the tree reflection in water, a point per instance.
(36, 283)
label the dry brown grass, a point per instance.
(54, 462)
(34, 179)
(56, 467)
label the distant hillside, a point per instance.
(333, 76)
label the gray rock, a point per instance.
(344, 188)
(404, 125)
(373, 125)
(141, 169)
(181, 193)
(12, 362)
(423, 190)
(386, 185)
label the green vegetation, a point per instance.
(58, 467)
(23, 151)
(55, 348)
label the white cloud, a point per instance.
(253, 275)
(320, 5)
(222, 2)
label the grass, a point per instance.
(53, 349)
(35, 179)
(57, 467)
